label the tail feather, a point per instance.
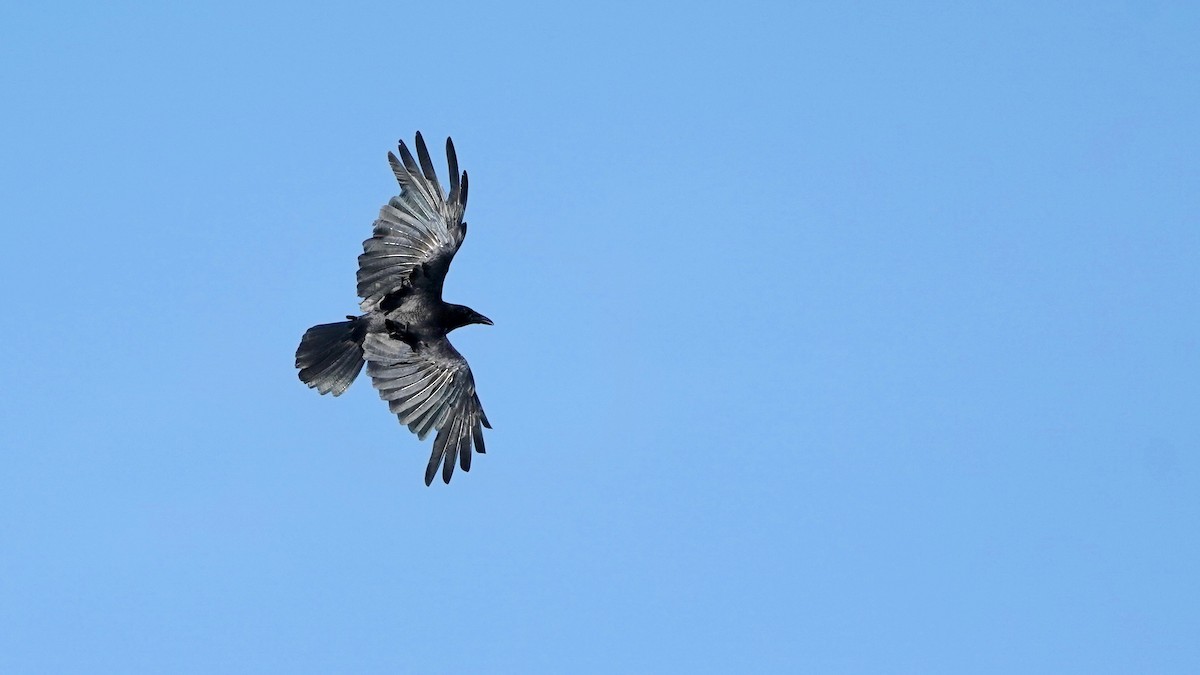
(330, 355)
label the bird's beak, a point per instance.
(485, 321)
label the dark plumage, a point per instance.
(401, 335)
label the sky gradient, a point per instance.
(829, 337)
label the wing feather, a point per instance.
(426, 198)
(451, 454)
(452, 165)
(429, 389)
(477, 434)
(419, 228)
(435, 457)
(422, 400)
(464, 443)
(427, 166)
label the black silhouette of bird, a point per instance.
(401, 335)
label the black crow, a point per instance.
(402, 333)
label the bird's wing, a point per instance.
(417, 232)
(430, 389)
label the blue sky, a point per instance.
(830, 337)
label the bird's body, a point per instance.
(401, 335)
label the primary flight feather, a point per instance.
(401, 335)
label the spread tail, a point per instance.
(330, 355)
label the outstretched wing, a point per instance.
(430, 389)
(417, 232)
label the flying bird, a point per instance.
(401, 334)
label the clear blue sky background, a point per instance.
(830, 337)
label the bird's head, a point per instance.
(465, 316)
(476, 317)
